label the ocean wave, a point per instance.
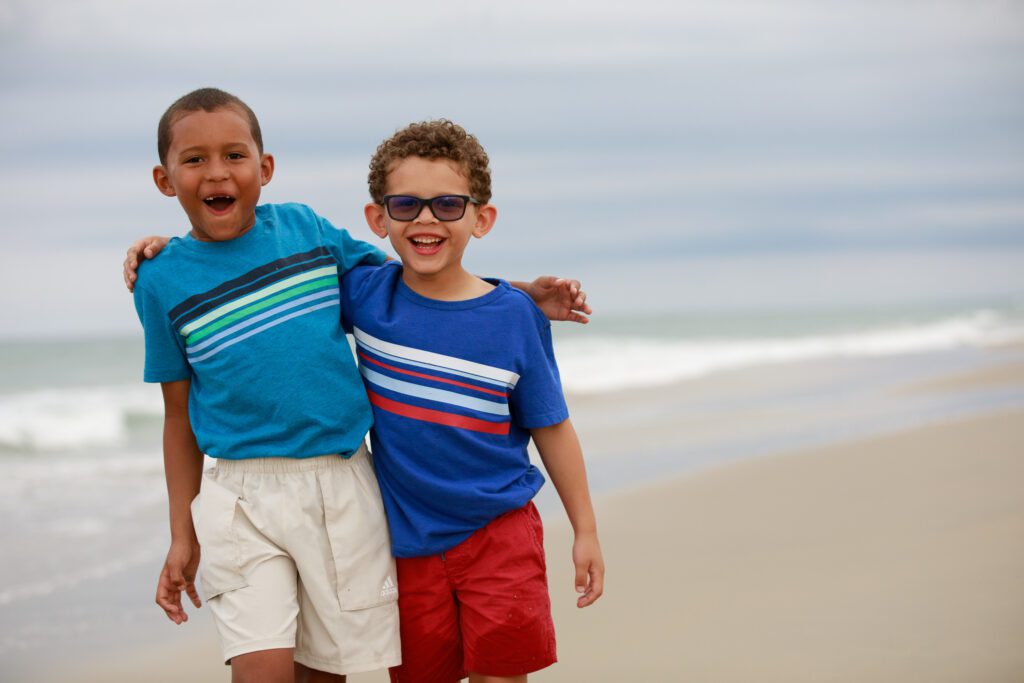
(602, 364)
(75, 417)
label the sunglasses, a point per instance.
(447, 207)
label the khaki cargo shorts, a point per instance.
(296, 554)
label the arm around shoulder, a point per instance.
(558, 298)
(141, 249)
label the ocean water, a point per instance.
(81, 482)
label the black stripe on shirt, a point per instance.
(256, 278)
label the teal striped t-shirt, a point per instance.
(254, 323)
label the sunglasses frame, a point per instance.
(429, 202)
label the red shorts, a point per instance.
(482, 606)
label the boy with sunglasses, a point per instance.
(243, 333)
(461, 374)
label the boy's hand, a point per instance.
(178, 574)
(141, 249)
(560, 299)
(586, 555)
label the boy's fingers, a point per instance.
(595, 587)
(581, 579)
(596, 582)
(170, 602)
(193, 594)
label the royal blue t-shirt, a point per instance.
(455, 387)
(254, 323)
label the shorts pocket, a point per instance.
(358, 533)
(214, 512)
(534, 526)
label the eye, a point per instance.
(401, 203)
(193, 160)
(450, 202)
(235, 156)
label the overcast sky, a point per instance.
(620, 133)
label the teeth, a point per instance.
(426, 240)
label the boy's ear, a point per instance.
(376, 219)
(163, 181)
(486, 215)
(266, 168)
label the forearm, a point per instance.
(183, 469)
(560, 450)
(183, 461)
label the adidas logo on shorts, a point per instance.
(388, 589)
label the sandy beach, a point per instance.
(892, 558)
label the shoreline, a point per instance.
(886, 559)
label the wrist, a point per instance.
(182, 534)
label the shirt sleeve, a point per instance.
(346, 250)
(353, 292)
(165, 357)
(537, 399)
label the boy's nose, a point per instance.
(216, 170)
(426, 215)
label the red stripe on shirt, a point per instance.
(431, 377)
(436, 416)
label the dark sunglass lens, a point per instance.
(403, 208)
(449, 208)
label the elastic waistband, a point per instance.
(284, 465)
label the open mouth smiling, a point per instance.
(426, 244)
(219, 203)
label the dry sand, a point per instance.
(894, 559)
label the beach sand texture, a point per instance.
(894, 559)
(897, 558)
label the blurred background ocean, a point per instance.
(742, 187)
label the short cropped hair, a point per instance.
(204, 99)
(440, 139)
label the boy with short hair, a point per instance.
(241, 328)
(461, 373)
(243, 332)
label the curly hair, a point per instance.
(440, 139)
(208, 100)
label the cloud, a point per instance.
(653, 127)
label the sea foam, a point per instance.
(599, 364)
(74, 417)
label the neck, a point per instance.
(448, 286)
(201, 236)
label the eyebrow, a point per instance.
(201, 148)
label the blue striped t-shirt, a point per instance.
(455, 387)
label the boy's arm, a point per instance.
(558, 298)
(148, 247)
(141, 249)
(183, 469)
(560, 450)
